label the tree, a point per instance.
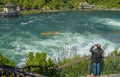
(40, 59)
(26, 4)
(6, 61)
(41, 3)
(29, 59)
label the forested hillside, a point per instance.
(60, 4)
(106, 3)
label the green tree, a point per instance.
(40, 59)
(29, 60)
(6, 61)
(26, 4)
(56, 4)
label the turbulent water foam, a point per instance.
(78, 31)
(65, 44)
(112, 22)
(108, 21)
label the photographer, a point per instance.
(96, 57)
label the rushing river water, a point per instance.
(77, 32)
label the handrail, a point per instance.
(61, 66)
(18, 71)
(33, 66)
(89, 62)
(73, 62)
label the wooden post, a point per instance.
(89, 66)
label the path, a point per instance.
(110, 75)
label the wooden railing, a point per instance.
(110, 57)
(28, 68)
(8, 71)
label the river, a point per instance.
(76, 31)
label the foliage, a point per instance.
(66, 60)
(76, 70)
(109, 65)
(112, 63)
(116, 52)
(60, 4)
(6, 61)
(106, 3)
(40, 59)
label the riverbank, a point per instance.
(36, 11)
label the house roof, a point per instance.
(86, 4)
(10, 5)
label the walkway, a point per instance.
(110, 75)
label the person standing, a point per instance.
(96, 57)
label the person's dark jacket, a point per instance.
(96, 54)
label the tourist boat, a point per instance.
(49, 33)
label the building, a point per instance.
(85, 5)
(19, 8)
(10, 10)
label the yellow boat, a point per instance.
(49, 33)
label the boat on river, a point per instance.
(49, 33)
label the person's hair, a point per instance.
(98, 45)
